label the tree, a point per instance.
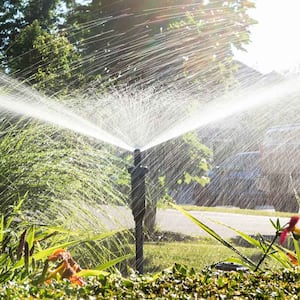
(46, 60)
(190, 41)
(172, 165)
(43, 11)
(186, 43)
(9, 22)
(17, 14)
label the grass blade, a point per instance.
(46, 252)
(112, 262)
(297, 249)
(279, 254)
(30, 236)
(91, 272)
(212, 233)
(252, 241)
(1, 228)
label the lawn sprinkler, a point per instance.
(138, 187)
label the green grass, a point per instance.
(197, 254)
(236, 210)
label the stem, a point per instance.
(267, 251)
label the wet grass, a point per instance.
(198, 254)
(163, 249)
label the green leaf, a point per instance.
(102, 236)
(128, 283)
(45, 253)
(212, 233)
(1, 228)
(16, 210)
(162, 180)
(20, 203)
(297, 249)
(91, 272)
(112, 262)
(187, 178)
(252, 241)
(278, 255)
(239, 261)
(281, 257)
(30, 236)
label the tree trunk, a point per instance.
(150, 217)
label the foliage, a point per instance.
(9, 23)
(177, 282)
(15, 15)
(51, 166)
(26, 248)
(208, 33)
(197, 254)
(173, 166)
(216, 236)
(269, 249)
(49, 62)
(65, 180)
(182, 161)
(67, 267)
(194, 40)
(118, 40)
(24, 278)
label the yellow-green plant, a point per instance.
(285, 257)
(25, 247)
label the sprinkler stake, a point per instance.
(138, 188)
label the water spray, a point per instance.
(138, 189)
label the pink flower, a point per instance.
(291, 228)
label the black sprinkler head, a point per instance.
(138, 173)
(137, 157)
(138, 190)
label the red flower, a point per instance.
(291, 228)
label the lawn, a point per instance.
(197, 253)
(200, 252)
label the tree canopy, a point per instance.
(179, 39)
(44, 59)
(189, 40)
(17, 14)
(62, 45)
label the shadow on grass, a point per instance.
(162, 249)
(169, 236)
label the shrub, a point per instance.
(177, 282)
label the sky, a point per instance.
(275, 39)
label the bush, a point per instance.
(57, 171)
(177, 282)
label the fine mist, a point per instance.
(131, 118)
